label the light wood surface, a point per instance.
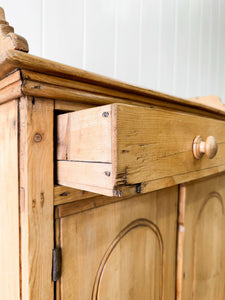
(63, 194)
(133, 246)
(8, 39)
(117, 93)
(9, 212)
(13, 59)
(213, 101)
(68, 106)
(10, 79)
(159, 143)
(71, 208)
(208, 147)
(79, 132)
(90, 177)
(180, 240)
(10, 88)
(163, 157)
(120, 140)
(204, 240)
(36, 203)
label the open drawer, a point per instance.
(120, 149)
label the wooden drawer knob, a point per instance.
(209, 147)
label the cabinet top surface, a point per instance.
(13, 60)
(44, 78)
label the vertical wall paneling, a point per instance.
(149, 49)
(217, 52)
(127, 40)
(100, 36)
(195, 37)
(221, 60)
(84, 40)
(26, 17)
(181, 48)
(214, 44)
(174, 46)
(63, 28)
(205, 46)
(166, 46)
(140, 29)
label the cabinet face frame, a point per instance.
(36, 197)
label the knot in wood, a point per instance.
(37, 137)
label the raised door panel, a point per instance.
(140, 241)
(204, 242)
(125, 250)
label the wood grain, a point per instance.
(12, 59)
(10, 40)
(213, 101)
(10, 79)
(36, 185)
(159, 159)
(10, 92)
(204, 251)
(38, 89)
(9, 201)
(63, 194)
(86, 176)
(85, 135)
(167, 148)
(180, 240)
(133, 246)
(71, 208)
(69, 106)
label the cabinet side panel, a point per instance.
(9, 215)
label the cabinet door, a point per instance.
(204, 240)
(120, 251)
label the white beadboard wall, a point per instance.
(173, 46)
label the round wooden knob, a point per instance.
(201, 147)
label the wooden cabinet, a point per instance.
(117, 155)
(108, 191)
(204, 240)
(123, 250)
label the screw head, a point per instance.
(107, 173)
(105, 114)
(117, 193)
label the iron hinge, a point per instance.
(56, 263)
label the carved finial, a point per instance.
(2, 14)
(8, 39)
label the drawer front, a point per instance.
(118, 149)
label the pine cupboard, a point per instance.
(108, 190)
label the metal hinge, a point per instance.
(56, 263)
